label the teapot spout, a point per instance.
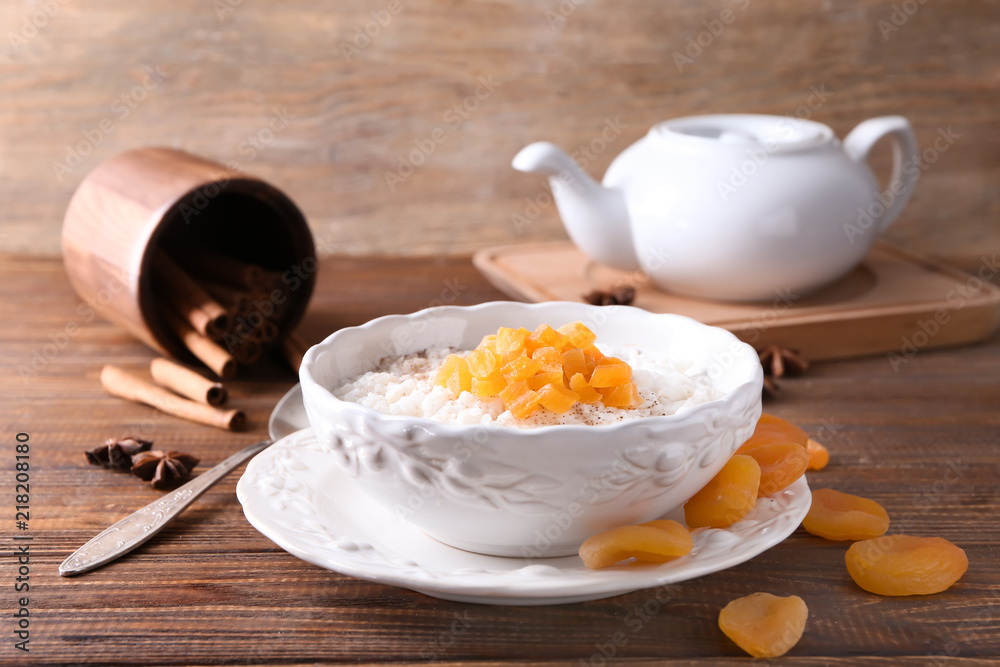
(595, 217)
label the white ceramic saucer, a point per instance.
(296, 495)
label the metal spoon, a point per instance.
(288, 416)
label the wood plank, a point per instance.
(226, 74)
(921, 439)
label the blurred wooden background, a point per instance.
(296, 92)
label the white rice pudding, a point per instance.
(405, 386)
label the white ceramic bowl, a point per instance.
(530, 492)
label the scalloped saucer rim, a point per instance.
(296, 495)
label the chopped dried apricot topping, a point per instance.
(554, 369)
(520, 368)
(651, 542)
(624, 396)
(905, 565)
(482, 362)
(461, 380)
(574, 361)
(454, 374)
(545, 336)
(550, 358)
(610, 372)
(539, 380)
(510, 342)
(764, 625)
(557, 399)
(841, 516)
(587, 394)
(520, 399)
(726, 499)
(819, 456)
(578, 334)
(446, 369)
(488, 387)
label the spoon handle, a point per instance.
(141, 525)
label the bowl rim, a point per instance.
(459, 430)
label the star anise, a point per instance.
(778, 361)
(618, 296)
(117, 454)
(770, 387)
(163, 469)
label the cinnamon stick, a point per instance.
(266, 331)
(219, 268)
(186, 296)
(294, 348)
(263, 303)
(234, 298)
(207, 351)
(186, 382)
(248, 351)
(119, 383)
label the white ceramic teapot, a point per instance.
(734, 207)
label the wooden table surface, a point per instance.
(922, 440)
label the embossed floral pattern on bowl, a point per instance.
(532, 492)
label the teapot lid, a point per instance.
(776, 133)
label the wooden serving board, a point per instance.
(894, 303)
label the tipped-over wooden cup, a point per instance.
(149, 200)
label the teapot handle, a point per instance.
(905, 152)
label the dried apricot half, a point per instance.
(771, 429)
(764, 625)
(819, 456)
(781, 463)
(905, 565)
(841, 516)
(726, 499)
(651, 542)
